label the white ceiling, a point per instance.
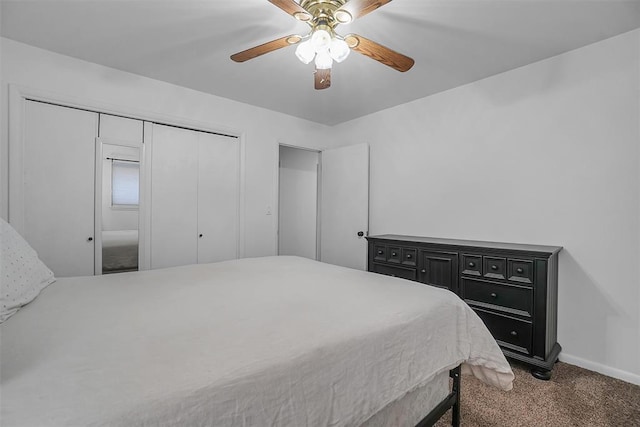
(188, 43)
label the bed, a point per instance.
(119, 251)
(279, 341)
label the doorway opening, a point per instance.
(298, 202)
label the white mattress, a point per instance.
(280, 341)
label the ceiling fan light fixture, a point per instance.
(305, 52)
(323, 60)
(339, 50)
(322, 43)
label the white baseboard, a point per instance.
(603, 369)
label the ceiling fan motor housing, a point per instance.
(324, 12)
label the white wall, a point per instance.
(544, 154)
(261, 129)
(298, 202)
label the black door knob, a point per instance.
(200, 235)
(360, 233)
(89, 239)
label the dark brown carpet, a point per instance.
(573, 397)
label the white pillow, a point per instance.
(22, 274)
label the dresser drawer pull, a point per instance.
(519, 270)
(408, 256)
(494, 295)
(380, 252)
(494, 267)
(472, 264)
(423, 271)
(514, 334)
(393, 254)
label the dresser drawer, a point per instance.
(380, 252)
(519, 270)
(394, 254)
(499, 296)
(405, 273)
(494, 267)
(409, 256)
(471, 265)
(511, 333)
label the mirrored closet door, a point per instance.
(119, 213)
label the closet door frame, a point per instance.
(12, 153)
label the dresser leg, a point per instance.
(541, 374)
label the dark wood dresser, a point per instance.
(512, 287)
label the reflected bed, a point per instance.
(119, 251)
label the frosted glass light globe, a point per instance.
(321, 39)
(323, 60)
(305, 52)
(339, 50)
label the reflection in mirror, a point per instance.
(120, 201)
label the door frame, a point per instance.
(12, 153)
(318, 194)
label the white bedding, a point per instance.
(279, 341)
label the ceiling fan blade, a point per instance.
(378, 52)
(256, 51)
(356, 9)
(322, 78)
(293, 9)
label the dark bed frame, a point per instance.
(451, 401)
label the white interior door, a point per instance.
(59, 186)
(218, 197)
(344, 206)
(174, 197)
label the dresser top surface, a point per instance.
(469, 243)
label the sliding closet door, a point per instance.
(218, 176)
(59, 186)
(174, 197)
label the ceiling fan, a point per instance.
(322, 43)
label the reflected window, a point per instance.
(125, 184)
